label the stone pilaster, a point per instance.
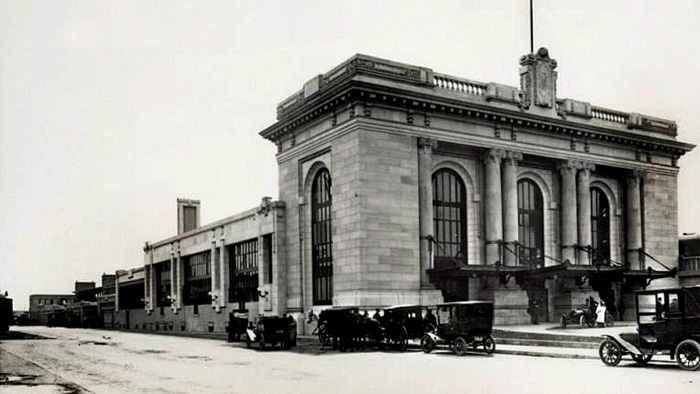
(493, 205)
(510, 206)
(180, 263)
(425, 200)
(584, 213)
(569, 234)
(222, 273)
(173, 281)
(634, 221)
(213, 272)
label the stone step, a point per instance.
(546, 343)
(506, 334)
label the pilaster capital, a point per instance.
(426, 144)
(494, 156)
(633, 177)
(586, 168)
(568, 167)
(512, 158)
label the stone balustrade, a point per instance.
(460, 85)
(609, 115)
(691, 263)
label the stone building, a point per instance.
(398, 184)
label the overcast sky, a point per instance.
(109, 111)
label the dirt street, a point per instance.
(118, 362)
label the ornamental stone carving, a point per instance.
(538, 80)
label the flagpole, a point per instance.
(532, 45)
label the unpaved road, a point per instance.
(119, 362)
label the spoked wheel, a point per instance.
(322, 335)
(582, 321)
(610, 353)
(489, 344)
(427, 344)
(460, 346)
(642, 358)
(609, 319)
(688, 355)
(589, 322)
(400, 339)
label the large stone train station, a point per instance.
(401, 185)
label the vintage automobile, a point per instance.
(273, 331)
(668, 322)
(405, 322)
(461, 325)
(589, 315)
(345, 328)
(237, 325)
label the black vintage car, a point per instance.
(668, 322)
(345, 328)
(405, 322)
(273, 331)
(462, 325)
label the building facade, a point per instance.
(401, 185)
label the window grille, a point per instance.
(197, 278)
(243, 272)
(449, 219)
(321, 239)
(530, 223)
(600, 227)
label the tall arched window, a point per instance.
(530, 223)
(321, 240)
(600, 227)
(449, 219)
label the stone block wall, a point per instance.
(389, 213)
(660, 199)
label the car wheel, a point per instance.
(610, 353)
(642, 358)
(688, 355)
(459, 347)
(489, 344)
(609, 319)
(401, 339)
(427, 344)
(582, 321)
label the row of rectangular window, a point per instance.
(243, 274)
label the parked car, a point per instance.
(273, 331)
(668, 322)
(405, 322)
(589, 315)
(462, 325)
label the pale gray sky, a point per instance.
(109, 111)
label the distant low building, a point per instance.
(43, 306)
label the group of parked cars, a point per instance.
(668, 323)
(456, 325)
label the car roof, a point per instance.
(466, 303)
(404, 307)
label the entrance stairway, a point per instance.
(550, 340)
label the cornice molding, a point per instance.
(358, 92)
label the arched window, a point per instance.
(449, 219)
(321, 240)
(530, 223)
(600, 227)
